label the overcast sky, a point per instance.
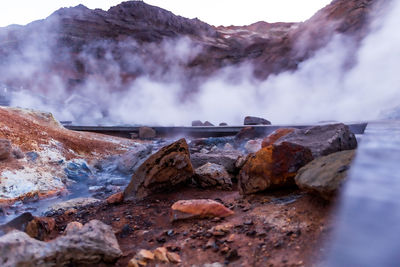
(215, 12)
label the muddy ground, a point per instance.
(278, 228)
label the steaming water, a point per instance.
(368, 223)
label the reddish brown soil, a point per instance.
(280, 228)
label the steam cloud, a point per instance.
(323, 88)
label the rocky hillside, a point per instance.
(75, 45)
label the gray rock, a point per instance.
(147, 133)
(323, 139)
(225, 158)
(223, 124)
(207, 123)
(213, 175)
(249, 120)
(73, 203)
(5, 149)
(93, 243)
(325, 175)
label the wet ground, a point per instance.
(280, 228)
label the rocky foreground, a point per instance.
(240, 201)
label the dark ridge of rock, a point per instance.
(135, 29)
(163, 170)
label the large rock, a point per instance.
(5, 149)
(272, 167)
(323, 139)
(213, 175)
(325, 175)
(93, 243)
(199, 208)
(249, 120)
(273, 137)
(221, 157)
(168, 167)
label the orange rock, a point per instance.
(199, 208)
(133, 263)
(273, 137)
(145, 254)
(173, 257)
(40, 227)
(161, 254)
(273, 166)
(116, 198)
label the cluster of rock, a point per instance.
(274, 163)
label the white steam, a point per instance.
(323, 88)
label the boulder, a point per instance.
(197, 123)
(213, 175)
(225, 158)
(147, 133)
(199, 208)
(5, 149)
(273, 137)
(323, 139)
(223, 124)
(207, 123)
(272, 167)
(249, 120)
(325, 175)
(161, 171)
(93, 243)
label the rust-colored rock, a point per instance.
(161, 171)
(272, 166)
(40, 228)
(199, 208)
(116, 198)
(273, 137)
